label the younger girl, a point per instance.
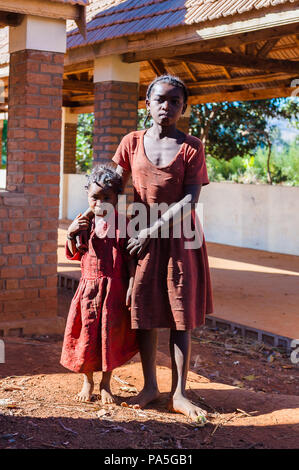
(172, 282)
(98, 334)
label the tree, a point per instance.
(84, 142)
(235, 128)
(3, 158)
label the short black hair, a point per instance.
(175, 81)
(105, 176)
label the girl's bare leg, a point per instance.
(147, 342)
(180, 350)
(106, 394)
(87, 388)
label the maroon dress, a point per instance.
(172, 287)
(98, 335)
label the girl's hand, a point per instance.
(137, 245)
(79, 223)
(129, 297)
(129, 292)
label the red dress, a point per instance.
(172, 287)
(98, 335)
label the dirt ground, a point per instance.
(250, 390)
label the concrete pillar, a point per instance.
(29, 207)
(115, 106)
(184, 121)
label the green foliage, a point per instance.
(4, 145)
(141, 118)
(251, 169)
(84, 142)
(231, 129)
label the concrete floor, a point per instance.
(254, 288)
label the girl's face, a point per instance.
(101, 200)
(166, 104)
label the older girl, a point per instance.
(172, 282)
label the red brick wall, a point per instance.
(29, 210)
(70, 134)
(115, 110)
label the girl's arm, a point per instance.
(125, 174)
(172, 216)
(81, 222)
(132, 269)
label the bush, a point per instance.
(284, 166)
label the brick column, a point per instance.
(70, 136)
(184, 121)
(115, 107)
(29, 207)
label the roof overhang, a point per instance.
(12, 11)
(42, 8)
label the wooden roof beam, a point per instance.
(78, 98)
(296, 37)
(242, 61)
(10, 19)
(267, 47)
(158, 67)
(79, 109)
(250, 49)
(243, 95)
(243, 80)
(78, 85)
(79, 68)
(43, 8)
(189, 71)
(154, 51)
(226, 72)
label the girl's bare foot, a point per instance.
(182, 405)
(146, 396)
(106, 395)
(105, 390)
(87, 389)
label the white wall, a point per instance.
(2, 179)
(75, 196)
(262, 217)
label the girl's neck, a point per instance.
(158, 132)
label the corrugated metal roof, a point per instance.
(125, 17)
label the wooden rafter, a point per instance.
(266, 48)
(242, 61)
(250, 49)
(296, 37)
(41, 8)
(226, 72)
(79, 68)
(243, 95)
(158, 67)
(243, 80)
(78, 85)
(79, 109)
(10, 19)
(205, 45)
(81, 98)
(189, 71)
